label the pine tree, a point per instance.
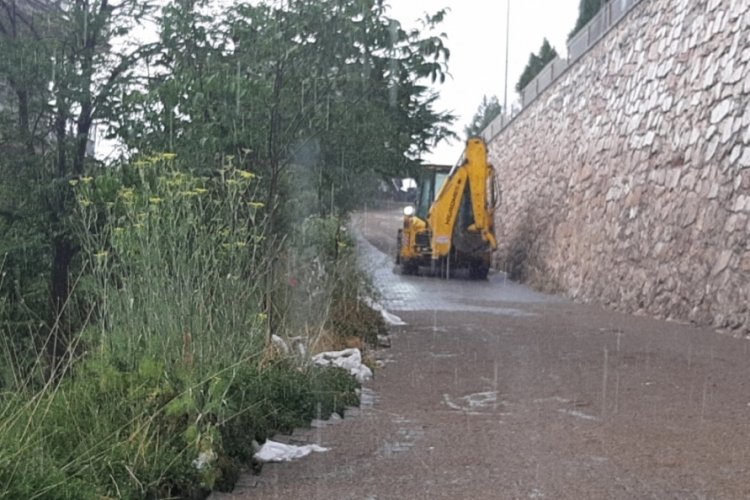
(536, 64)
(587, 9)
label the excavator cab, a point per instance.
(431, 180)
(413, 241)
(452, 225)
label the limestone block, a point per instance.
(731, 74)
(709, 77)
(721, 110)
(726, 128)
(666, 103)
(648, 139)
(719, 23)
(664, 68)
(710, 131)
(713, 192)
(721, 262)
(745, 262)
(694, 135)
(741, 203)
(711, 149)
(735, 155)
(744, 161)
(737, 9)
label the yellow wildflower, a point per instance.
(189, 194)
(201, 190)
(245, 174)
(240, 244)
(85, 202)
(101, 254)
(257, 204)
(73, 182)
(141, 163)
(169, 156)
(126, 194)
(232, 182)
(154, 200)
(87, 180)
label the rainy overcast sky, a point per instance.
(476, 39)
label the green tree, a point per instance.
(64, 68)
(587, 9)
(488, 110)
(337, 86)
(536, 64)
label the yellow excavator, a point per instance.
(452, 226)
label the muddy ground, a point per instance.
(494, 391)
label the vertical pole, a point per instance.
(507, 41)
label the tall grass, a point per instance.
(170, 380)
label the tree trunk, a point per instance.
(58, 344)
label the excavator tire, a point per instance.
(399, 239)
(478, 271)
(409, 267)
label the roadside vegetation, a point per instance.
(141, 287)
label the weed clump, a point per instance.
(166, 388)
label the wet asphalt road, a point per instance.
(494, 391)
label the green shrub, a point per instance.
(172, 367)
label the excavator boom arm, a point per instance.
(473, 178)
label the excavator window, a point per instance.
(429, 186)
(425, 198)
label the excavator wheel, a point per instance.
(478, 271)
(399, 239)
(409, 266)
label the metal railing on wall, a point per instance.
(608, 16)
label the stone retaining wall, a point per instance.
(627, 182)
